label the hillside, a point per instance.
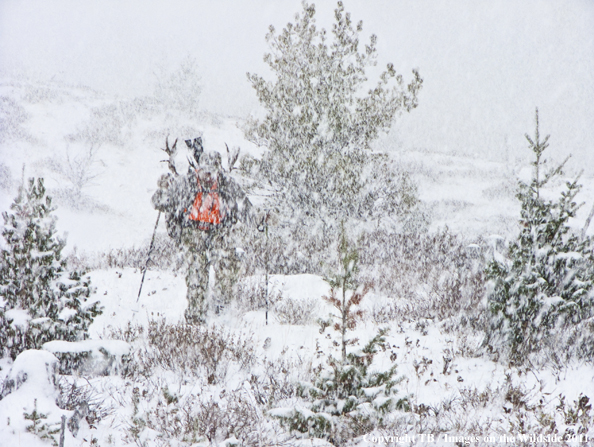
(223, 383)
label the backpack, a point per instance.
(208, 210)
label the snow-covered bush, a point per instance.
(28, 401)
(178, 390)
(40, 299)
(83, 399)
(12, 118)
(194, 418)
(277, 380)
(89, 357)
(546, 283)
(319, 126)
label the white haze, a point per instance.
(485, 65)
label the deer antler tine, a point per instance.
(228, 158)
(167, 151)
(231, 157)
(191, 163)
(171, 152)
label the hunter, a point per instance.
(201, 211)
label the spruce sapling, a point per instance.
(547, 280)
(41, 299)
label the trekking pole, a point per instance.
(266, 230)
(62, 430)
(148, 258)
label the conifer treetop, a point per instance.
(538, 147)
(321, 118)
(318, 86)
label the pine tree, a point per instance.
(547, 282)
(346, 398)
(40, 299)
(344, 281)
(319, 125)
(38, 425)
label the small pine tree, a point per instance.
(548, 279)
(345, 281)
(34, 278)
(39, 427)
(346, 399)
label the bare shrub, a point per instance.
(175, 385)
(196, 418)
(85, 401)
(277, 381)
(129, 334)
(288, 250)
(293, 311)
(428, 275)
(511, 410)
(189, 350)
(165, 256)
(78, 168)
(217, 422)
(12, 118)
(559, 348)
(251, 295)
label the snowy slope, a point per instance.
(469, 194)
(444, 370)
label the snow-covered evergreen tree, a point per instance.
(40, 300)
(320, 123)
(547, 282)
(346, 397)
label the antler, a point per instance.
(171, 153)
(232, 157)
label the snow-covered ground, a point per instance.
(453, 388)
(80, 107)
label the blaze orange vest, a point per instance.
(206, 210)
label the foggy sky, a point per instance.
(486, 65)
